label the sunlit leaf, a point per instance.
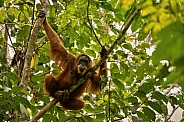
(91, 53)
(119, 101)
(132, 89)
(171, 47)
(2, 14)
(142, 34)
(52, 11)
(149, 27)
(173, 5)
(23, 110)
(136, 24)
(118, 84)
(148, 10)
(126, 4)
(21, 16)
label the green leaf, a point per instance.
(49, 117)
(159, 96)
(16, 90)
(100, 117)
(144, 46)
(181, 101)
(142, 115)
(21, 16)
(163, 72)
(118, 84)
(173, 100)
(155, 106)
(1, 4)
(120, 52)
(95, 47)
(22, 100)
(149, 113)
(23, 110)
(83, 41)
(114, 68)
(172, 47)
(74, 23)
(37, 78)
(118, 100)
(88, 119)
(114, 108)
(14, 105)
(146, 87)
(97, 109)
(122, 40)
(90, 52)
(1, 117)
(132, 100)
(127, 46)
(165, 110)
(142, 35)
(137, 23)
(2, 14)
(172, 78)
(52, 10)
(179, 63)
(119, 76)
(140, 94)
(124, 67)
(6, 95)
(13, 76)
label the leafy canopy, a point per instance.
(139, 84)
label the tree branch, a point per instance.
(89, 73)
(31, 47)
(90, 23)
(169, 116)
(44, 110)
(102, 60)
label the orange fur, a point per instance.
(69, 76)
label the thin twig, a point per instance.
(6, 29)
(109, 99)
(123, 31)
(92, 25)
(31, 47)
(32, 21)
(169, 117)
(44, 110)
(126, 19)
(102, 60)
(41, 45)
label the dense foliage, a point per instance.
(144, 69)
